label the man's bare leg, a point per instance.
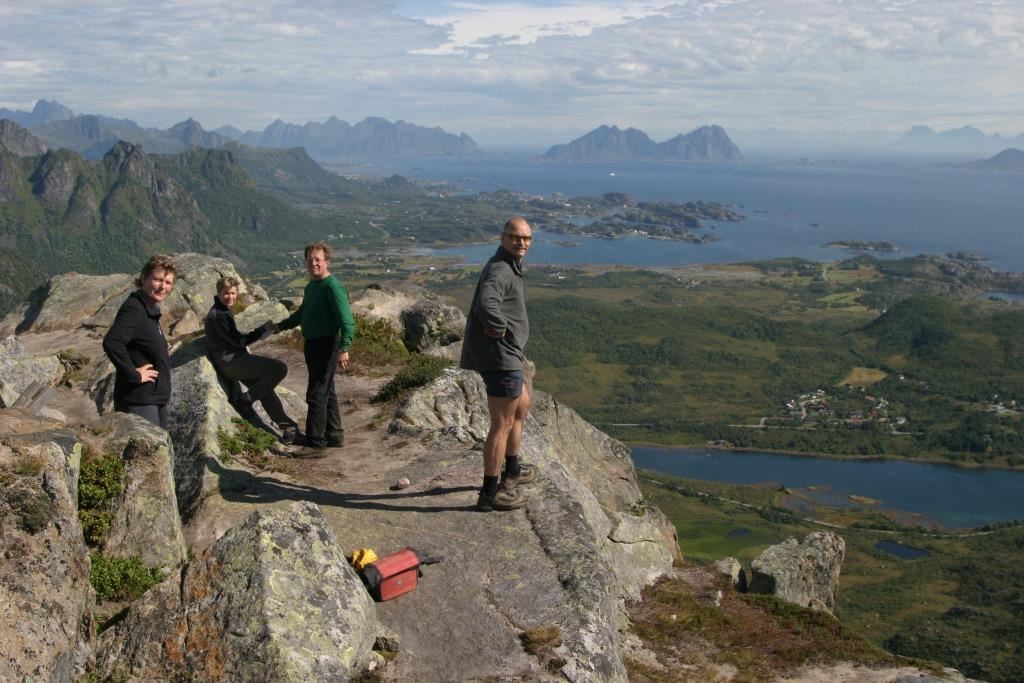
(515, 435)
(503, 411)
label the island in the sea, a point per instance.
(860, 245)
(615, 214)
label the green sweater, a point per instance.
(324, 312)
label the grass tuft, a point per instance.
(420, 371)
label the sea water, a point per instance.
(791, 208)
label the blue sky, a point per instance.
(526, 72)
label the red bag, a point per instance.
(392, 575)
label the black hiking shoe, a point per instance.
(504, 499)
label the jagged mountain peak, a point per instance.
(610, 143)
(19, 141)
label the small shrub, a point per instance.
(95, 525)
(100, 480)
(420, 371)
(99, 484)
(377, 343)
(121, 578)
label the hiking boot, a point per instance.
(336, 441)
(526, 474)
(289, 434)
(504, 499)
(310, 452)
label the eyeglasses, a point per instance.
(518, 238)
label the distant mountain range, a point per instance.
(1008, 160)
(957, 139)
(43, 112)
(610, 143)
(93, 136)
(372, 137)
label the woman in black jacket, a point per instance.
(136, 346)
(260, 374)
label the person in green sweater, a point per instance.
(328, 329)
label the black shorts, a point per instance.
(503, 383)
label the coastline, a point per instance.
(826, 456)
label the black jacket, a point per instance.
(134, 340)
(499, 303)
(223, 339)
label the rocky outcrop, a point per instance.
(18, 141)
(146, 523)
(71, 300)
(273, 600)
(45, 594)
(587, 513)
(194, 291)
(731, 568)
(804, 572)
(198, 409)
(18, 370)
(432, 324)
(425, 320)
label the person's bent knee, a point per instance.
(277, 371)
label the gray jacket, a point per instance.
(499, 303)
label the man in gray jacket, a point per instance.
(496, 332)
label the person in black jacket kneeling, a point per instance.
(260, 374)
(136, 345)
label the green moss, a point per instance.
(246, 441)
(420, 371)
(30, 466)
(33, 507)
(121, 578)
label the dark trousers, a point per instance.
(323, 421)
(260, 375)
(157, 414)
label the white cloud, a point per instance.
(545, 68)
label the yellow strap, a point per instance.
(363, 557)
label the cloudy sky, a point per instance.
(525, 71)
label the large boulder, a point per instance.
(71, 300)
(273, 600)
(804, 572)
(425, 320)
(146, 523)
(195, 288)
(198, 411)
(45, 595)
(18, 370)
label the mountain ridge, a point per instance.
(610, 143)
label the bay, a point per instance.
(953, 496)
(791, 209)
